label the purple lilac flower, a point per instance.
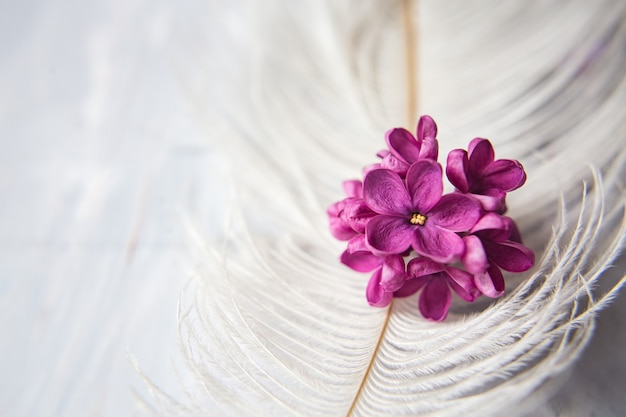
(491, 245)
(388, 275)
(416, 215)
(435, 280)
(404, 149)
(476, 172)
(347, 218)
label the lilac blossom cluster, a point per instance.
(400, 227)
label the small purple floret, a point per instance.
(396, 228)
(476, 172)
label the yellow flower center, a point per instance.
(417, 218)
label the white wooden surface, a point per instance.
(98, 157)
(99, 153)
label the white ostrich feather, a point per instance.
(274, 325)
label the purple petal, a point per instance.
(430, 149)
(357, 244)
(353, 188)
(510, 256)
(357, 214)
(410, 287)
(440, 245)
(455, 212)
(376, 295)
(361, 261)
(503, 174)
(472, 144)
(426, 128)
(490, 282)
(426, 136)
(480, 156)
(463, 293)
(335, 209)
(457, 169)
(425, 184)
(435, 299)
(385, 193)
(475, 258)
(389, 234)
(420, 267)
(493, 227)
(394, 164)
(515, 235)
(393, 275)
(403, 145)
(491, 200)
(462, 283)
(339, 228)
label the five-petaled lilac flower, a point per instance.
(416, 215)
(493, 243)
(435, 281)
(388, 275)
(348, 217)
(476, 172)
(405, 149)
